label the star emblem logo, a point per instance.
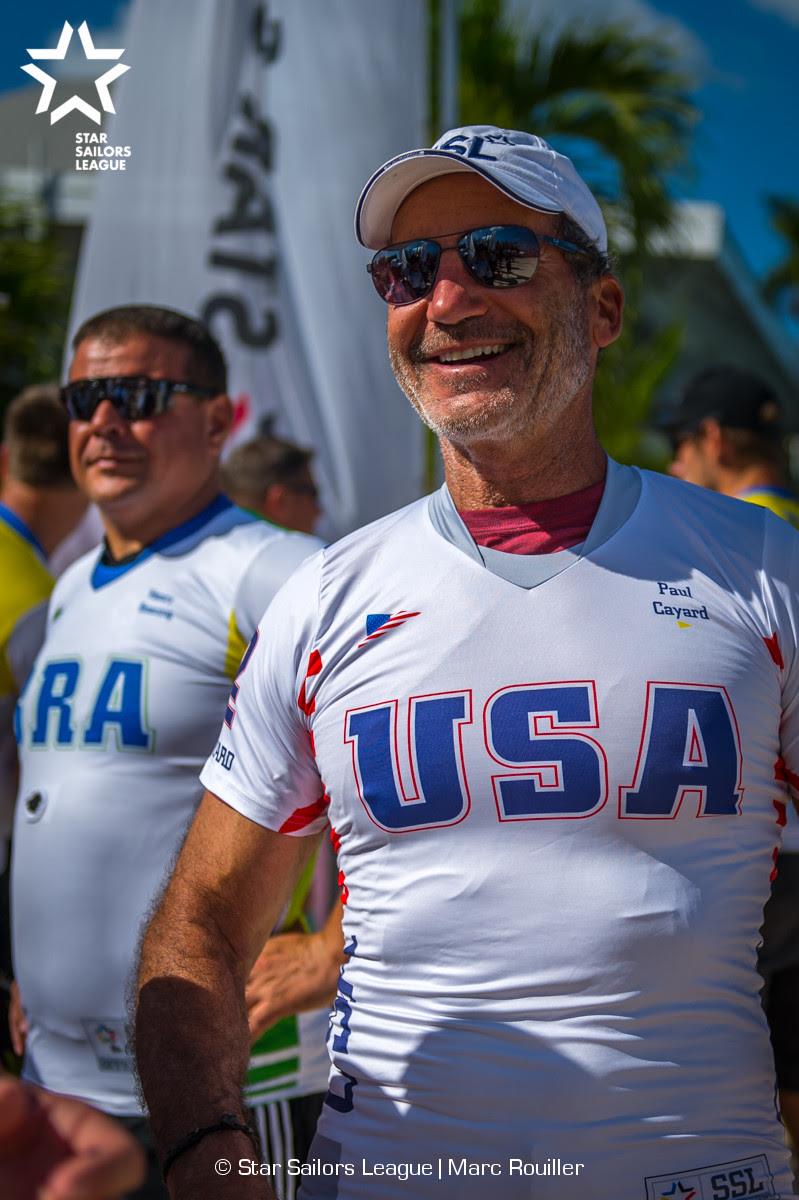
(92, 54)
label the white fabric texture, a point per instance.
(554, 890)
(120, 711)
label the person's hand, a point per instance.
(295, 972)
(56, 1148)
(17, 1021)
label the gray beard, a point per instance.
(552, 369)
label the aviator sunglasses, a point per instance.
(497, 256)
(135, 397)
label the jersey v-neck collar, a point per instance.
(622, 491)
(107, 572)
(18, 525)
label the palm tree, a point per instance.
(781, 285)
(618, 100)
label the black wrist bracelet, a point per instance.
(227, 1122)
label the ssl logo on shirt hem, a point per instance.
(737, 1180)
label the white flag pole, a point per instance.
(446, 118)
(449, 55)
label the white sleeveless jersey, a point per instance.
(115, 721)
(556, 812)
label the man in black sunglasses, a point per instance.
(540, 712)
(144, 638)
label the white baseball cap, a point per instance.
(521, 165)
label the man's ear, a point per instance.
(714, 442)
(219, 419)
(607, 310)
(273, 506)
(3, 461)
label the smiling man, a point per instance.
(554, 801)
(143, 639)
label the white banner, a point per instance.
(252, 127)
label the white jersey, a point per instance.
(556, 811)
(116, 719)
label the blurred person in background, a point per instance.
(272, 477)
(39, 506)
(144, 637)
(727, 434)
(86, 535)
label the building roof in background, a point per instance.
(700, 278)
(29, 140)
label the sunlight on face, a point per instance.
(538, 333)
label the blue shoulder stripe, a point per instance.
(105, 573)
(18, 525)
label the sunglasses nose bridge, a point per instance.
(106, 412)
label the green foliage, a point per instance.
(630, 372)
(620, 99)
(781, 284)
(34, 299)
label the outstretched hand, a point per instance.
(295, 972)
(57, 1148)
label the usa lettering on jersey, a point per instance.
(556, 769)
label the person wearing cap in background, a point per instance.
(728, 435)
(272, 478)
(538, 712)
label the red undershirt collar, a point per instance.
(542, 527)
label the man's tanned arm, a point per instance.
(192, 1040)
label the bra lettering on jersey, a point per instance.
(118, 711)
(59, 681)
(690, 749)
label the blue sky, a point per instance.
(745, 55)
(746, 143)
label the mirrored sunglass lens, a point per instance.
(139, 399)
(118, 392)
(405, 273)
(79, 402)
(145, 399)
(133, 399)
(500, 255)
